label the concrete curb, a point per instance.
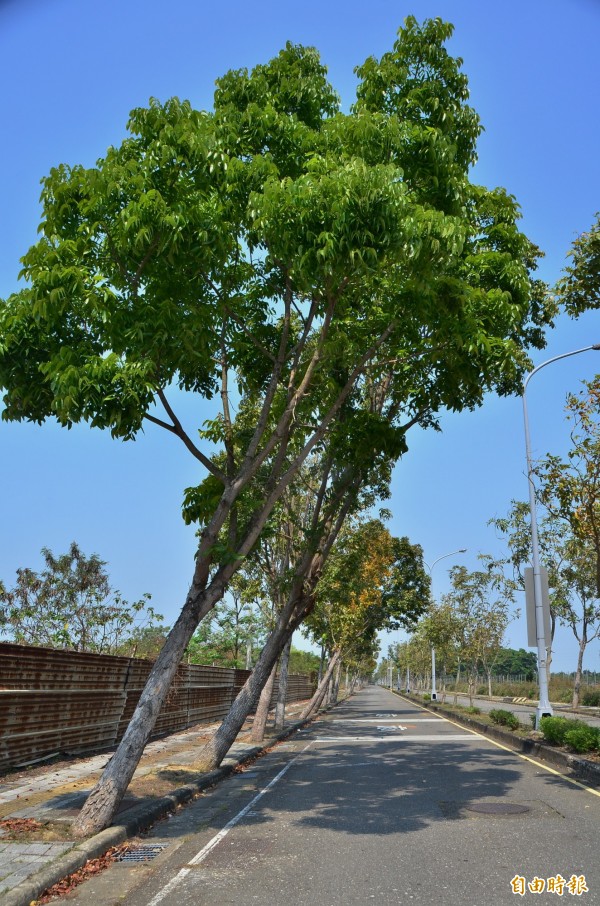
(581, 768)
(132, 822)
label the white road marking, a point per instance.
(446, 737)
(538, 764)
(206, 850)
(343, 764)
(391, 720)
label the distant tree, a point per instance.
(303, 661)
(478, 608)
(515, 527)
(144, 641)
(234, 624)
(513, 662)
(70, 604)
(569, 488)
(371, 582)
(569, 533)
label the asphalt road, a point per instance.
(378, 800)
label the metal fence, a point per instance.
(55, 702)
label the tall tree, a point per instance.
(306, 253)
(478, 612)
(569, 488)
(371, 582)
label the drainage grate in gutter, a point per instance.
(143, 853)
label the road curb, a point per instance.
(580, 768)
(137, 819)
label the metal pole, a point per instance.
(544, 707)
(461, 550)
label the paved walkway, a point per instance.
(54, 795)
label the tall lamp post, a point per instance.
(462, 550)
(544, 707)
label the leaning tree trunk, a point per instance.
(283, 686)
(212, 754)
(329, 693)
(315, 702)
(103, 801)
(262, 711)
(335, 686)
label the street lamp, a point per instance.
(544, 707)
(462, 550)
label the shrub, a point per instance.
(583, 738)
(505, 718)
(426, 697)
(472, 709)
(591, 698)
(556, 728)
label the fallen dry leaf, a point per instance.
(91, 867)
(19, 825)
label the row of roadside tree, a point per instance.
(325, 278)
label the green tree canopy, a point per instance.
(341, 267)
(579, 289)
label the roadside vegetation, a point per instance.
(325, 277)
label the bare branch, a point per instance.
(177, 429)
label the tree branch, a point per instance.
(177, 428)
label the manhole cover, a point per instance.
(143, 853)
(497, 808)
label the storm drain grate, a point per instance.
(143, 853)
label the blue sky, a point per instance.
(71, 70)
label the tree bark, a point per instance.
(212, 754)
(321, 666)
(335, 686)
(105, 797)
(283, 685)
(578, 672)
(262, 711)
(315, 702)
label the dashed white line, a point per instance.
(387, 720)
(445, 737)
